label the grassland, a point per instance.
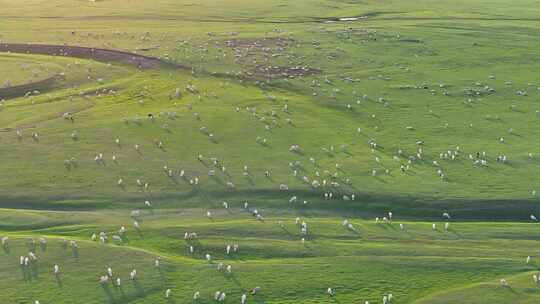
(445, 90)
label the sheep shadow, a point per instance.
(139, 233)
(75, 252)
(34, 270)
(231, 277)
(108, 292)
(289, 234)
(121, 290)
(58, 280)
(138, 287)
(218, 180)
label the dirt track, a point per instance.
(104, 55)
(22, 89)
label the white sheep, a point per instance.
(222, 297)
(133, 274)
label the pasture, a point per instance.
(327, 151)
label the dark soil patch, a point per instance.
(140, 61)
(411, 40)
(20, 90)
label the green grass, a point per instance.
(378, 259)
(425, 69)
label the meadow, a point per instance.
(350, 149)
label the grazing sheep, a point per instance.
(32, 255)
(5, 240)
(221, 297)
(133, 274)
